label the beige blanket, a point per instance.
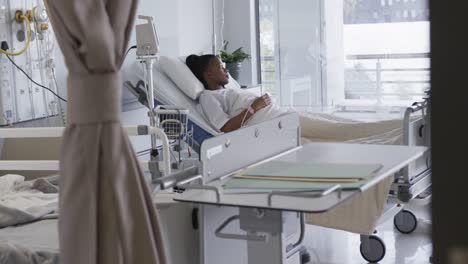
(360, 214)
(329, 128)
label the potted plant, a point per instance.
(233, 59)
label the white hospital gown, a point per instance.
(220, 106)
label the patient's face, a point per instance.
(217, 72)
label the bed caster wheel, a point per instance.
(405, 222)
(372, 249)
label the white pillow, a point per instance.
(182, 76)
(233, 84)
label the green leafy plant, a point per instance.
(232, 57)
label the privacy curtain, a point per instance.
(106, 212)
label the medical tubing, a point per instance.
(129, 49)
(28, 40)
(245, 115)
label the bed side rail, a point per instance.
(415, 130)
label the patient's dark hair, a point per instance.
(198, 65)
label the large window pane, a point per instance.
(386, 48)
(345, 55)
(290, 49)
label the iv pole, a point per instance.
(147, 53)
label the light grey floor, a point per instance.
(327, 246)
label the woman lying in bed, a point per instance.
(230, 109)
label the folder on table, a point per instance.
(310, 172)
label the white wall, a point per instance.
(195, 26)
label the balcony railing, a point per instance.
(386, 80)
(419, 82)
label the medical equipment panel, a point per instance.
(20, 99)
(146, 37)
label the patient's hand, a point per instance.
(261, 102)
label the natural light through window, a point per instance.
(345, 56)
(386, 48)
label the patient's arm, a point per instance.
(236, 122)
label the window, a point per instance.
(327, 55)
(386, 62)
(290, 51)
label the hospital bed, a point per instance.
(270, 225)
(34, 152)
(406, 184)
(271, 222)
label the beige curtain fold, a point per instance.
(106, 212)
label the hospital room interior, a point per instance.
(232, 132)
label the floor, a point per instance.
(328, 246)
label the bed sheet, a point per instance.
(26, 201)
(34, 243)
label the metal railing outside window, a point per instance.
(387, 77)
